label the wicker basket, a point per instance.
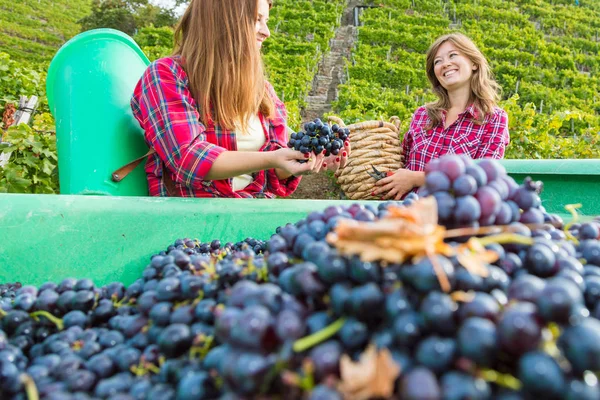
(373, 143)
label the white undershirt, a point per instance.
(251, 140)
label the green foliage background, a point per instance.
(544, 54)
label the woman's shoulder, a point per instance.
(497, 112)
(420, 116)
(497, 115)
(271, 91)
(421, 110)
(269, 85)
(276, 100)
(166, 66)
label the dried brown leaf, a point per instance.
(473, 264)
(404, 233)
(462, 296)
(439, 272)
(407, 233)
(371, 377)
(422, 212)
(475, 257)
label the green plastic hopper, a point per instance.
(89, 86)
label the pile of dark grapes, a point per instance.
(239, 320)
(318, 137)
(472, 194)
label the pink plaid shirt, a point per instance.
(186, 149)
(464, 136)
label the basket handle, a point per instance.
(336, 120)
(396, 121)
(373, 125)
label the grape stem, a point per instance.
(118, 303)
(56, 321)
(485, 230)
(314, 339)
(549, 344)
(143, 368)
(505, 380)
(263, 274)
(308, 379)
(30, 388)
(2, 313)
(201, 350)
(279, 366)
(572, 208)
(505, 238)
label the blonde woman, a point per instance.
(464, 120)
(218, 128)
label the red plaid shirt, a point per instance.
(464, 136)
(163, 105)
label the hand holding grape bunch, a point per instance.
(320, 138)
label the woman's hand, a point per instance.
(399, 183)
(333, 163)
(287, 161)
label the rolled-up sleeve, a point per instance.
(281, 187)
(495, 137)
(166, 111)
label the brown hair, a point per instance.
(216, 40)
(484, 89)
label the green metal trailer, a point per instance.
(106, 231)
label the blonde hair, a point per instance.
(484, 89)
(216, 40)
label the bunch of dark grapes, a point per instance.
(256, 329)
(256, 318)
(189, 246)
(8, 292)
(480, 193)
(318, 137)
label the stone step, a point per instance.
(329, 65)
(331, 70)
(316, 99)
(317, 107)
(319, 90)
(334, 56)
(338, 44)
(333, 53)
(314, 106)
(323, 82)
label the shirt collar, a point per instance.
(471, 110)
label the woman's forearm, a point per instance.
(230, 164)
(418, 178)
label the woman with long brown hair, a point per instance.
(216, 124)
(464, 120)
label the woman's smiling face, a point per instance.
(452, 69)
(262, 30)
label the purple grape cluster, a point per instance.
(256, 330)
(213, 321)
(8, 292)
(318, 137)
(473, 193)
